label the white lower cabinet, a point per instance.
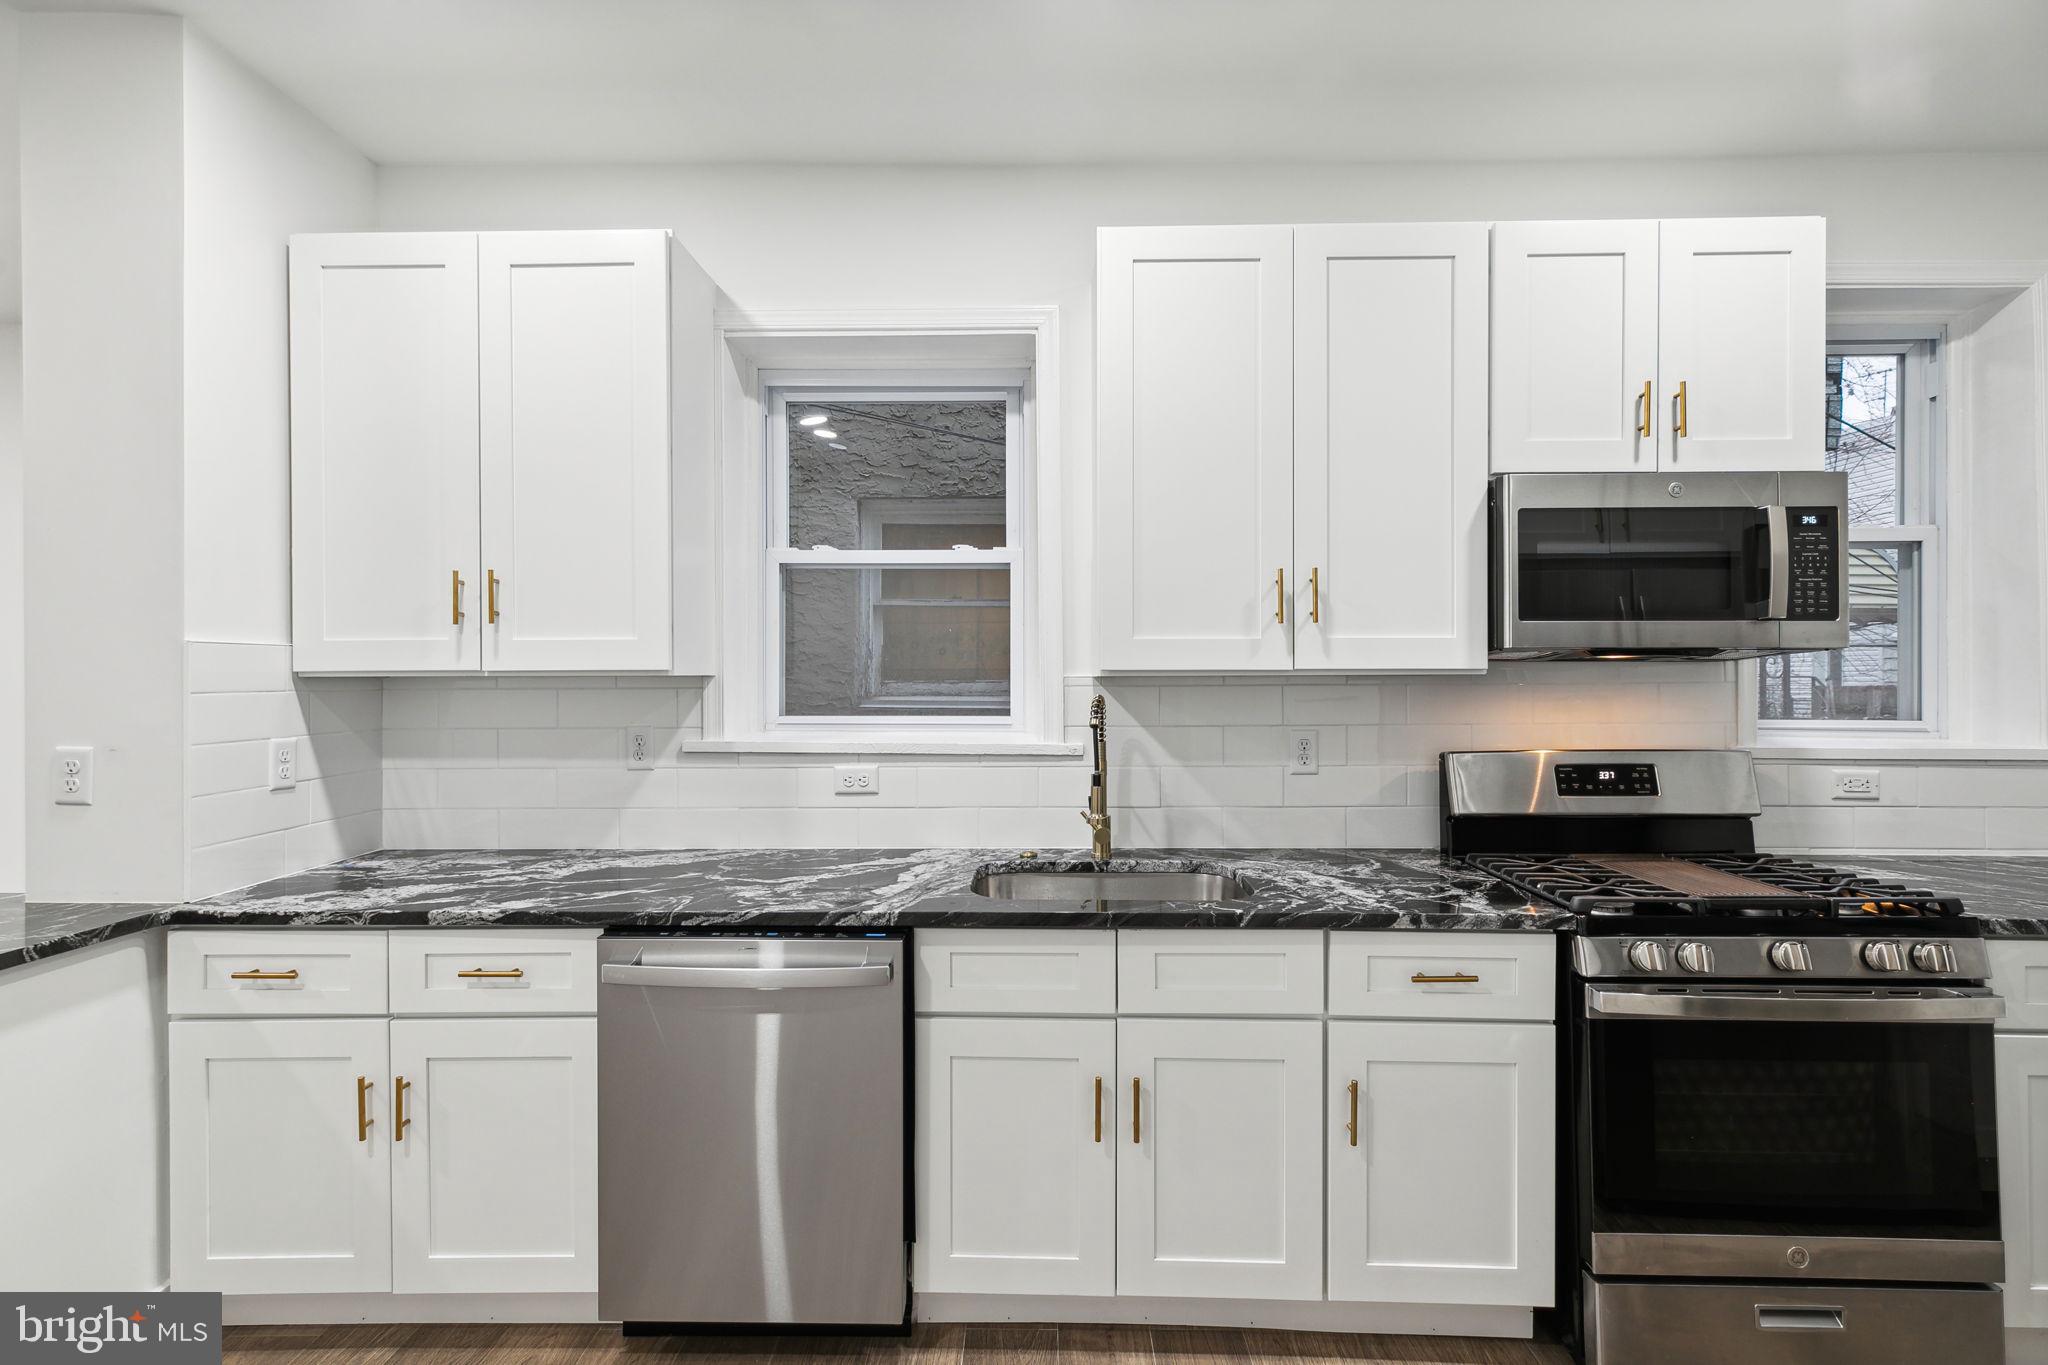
(1219, 1161)
(494, 1168)
(2021, 1067)
(280, 1173)
(1016, 1156)
(1442, 1149)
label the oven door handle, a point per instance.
(1777, 532)
(1949, 1007)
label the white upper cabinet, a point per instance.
(385, 566)
(1575, 347)
(1390, 446)
(573, 382)
(1686, 343)
(1194, 458)
(480, 452)
(1743, 342)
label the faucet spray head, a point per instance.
(1098, 712)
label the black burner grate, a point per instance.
(1805, 890)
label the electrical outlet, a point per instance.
(1857, 784)
(857, 779)
(640, 747)
(71, 775)
(284, 764)
(1301, 751)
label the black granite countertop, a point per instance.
(792, 888)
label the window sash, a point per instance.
(1920, 510)
(780, 553)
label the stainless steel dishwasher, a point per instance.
(751, 1130)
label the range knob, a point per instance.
(1646, 956)
(1934, 957)
(1883, 955)
(1696, 958)
(1790, 955)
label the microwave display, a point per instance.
(1814, 545)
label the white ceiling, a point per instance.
(1066, 81)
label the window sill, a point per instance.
(963, 745)
(1899, 748)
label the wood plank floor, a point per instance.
(930, 1344)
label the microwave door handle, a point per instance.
(1779, 605)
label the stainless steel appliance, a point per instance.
(1719, 566)
(1782, 1136)
(751, 1130)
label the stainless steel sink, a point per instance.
(1210, 887)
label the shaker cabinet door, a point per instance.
(1442, 1163)
(280, 1172)
(573, 386)
(385, 572)
(1194, 447)
(1016, 1156)
(1575, 347)
(1743, 343)
(1390, 447)
(494, 1176)
(1219, 1158)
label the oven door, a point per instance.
(1807, 1133)
(1628, 563)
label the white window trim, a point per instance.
(985, 348)
(1923, 431)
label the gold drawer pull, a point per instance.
(290, 975)
(1352, 1127)
(1098, 1108)
(363, 1119)
(1684, 426)
(487, 974)
(1280, 596)
(399, 1122)
(1137, 1130)
(1643, 408)
(1315, 596)
(455, 607)
(1454, 979)
(491, 596)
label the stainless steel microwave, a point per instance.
(1707, 566)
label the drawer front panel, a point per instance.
(492, 971)
(1220, 971)
(1453, 975)
(1015, 971)
(276, 971)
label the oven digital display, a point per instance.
(1618, 779)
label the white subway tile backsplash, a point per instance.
(975, 786)
(441, 828)
(1984, 784)
(1391, 827)
(561, 747)
(1909, 828)
(617, 787)
(2023, 828)
(1189, 705)
(558, 829)
(497, 787)
(1220, 786)
(621, 707)
(1351, 785)
(918, 827)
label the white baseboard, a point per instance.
(1398, 1319)
(2026, 1346)
(317, 1309)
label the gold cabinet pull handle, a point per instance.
(1137, 1128)
(508, 974)
(363, 1119)
(1449, 979)
(1644, 405)
(1280, 596)
(455, 596)
(1352, 1127)
(399, 1122)
(1098, 1108)
(491, 596)
(1315, 596)
(1682, 423)
(257, 974)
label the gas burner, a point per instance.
(1617, 886)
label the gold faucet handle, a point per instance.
(1094, 821)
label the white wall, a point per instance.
(102, 333)
(257, 168)
(13, 718)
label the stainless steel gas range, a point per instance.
(1782, 1139)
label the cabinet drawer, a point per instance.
(1400, 975)
(1219, 971)
(1015, 971)
(2019, 973)
(276, 971)
(492, 971)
